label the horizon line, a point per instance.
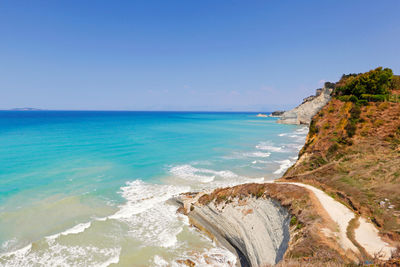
(128, 110)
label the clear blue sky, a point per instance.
(187, 55)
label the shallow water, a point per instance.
(89, 188)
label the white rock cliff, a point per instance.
(303, 113)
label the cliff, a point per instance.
(266, 224)
(303, 113)
(342, 196)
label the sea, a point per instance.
(90, 188)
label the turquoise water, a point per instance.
(94, 184)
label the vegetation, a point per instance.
(361, 153)
(395, 82)
(330, 85)
(373, 82)
(352, 122)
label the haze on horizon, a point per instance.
(187, 55)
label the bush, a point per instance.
(362, 102)
(395, 83)
(355, 113)
(293, 221)
(353, 99)
(374, 82)
(375, 98)
(313, 128)
(344, 98)
(332, 149)
(351, 127)
(329, 85)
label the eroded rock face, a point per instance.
(303, 113)
(255, 229)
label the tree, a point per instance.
(373, 82)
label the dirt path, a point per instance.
(366, 234)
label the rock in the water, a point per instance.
(277, 113)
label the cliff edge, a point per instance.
(303, 113)
(268, 224)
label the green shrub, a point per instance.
(394, 98)
(313, 128)
(353, 99)
(355, 113)
(293, 221)
(362, 102)
(329, 85)
(395, 83)
(333, 148)
(375, 98)
(350, 129)
(351, 125)
(374, 82)
(344, 98)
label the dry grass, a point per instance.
(362, 170)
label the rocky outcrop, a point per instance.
(303, 113)
(257, 231)
(265, 224)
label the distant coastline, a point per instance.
(25, 109)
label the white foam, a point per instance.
(111, 260)
(257, 154)
(151, 220)
(302, 130)
(79, 228)
(285, 164)
(268, 147)
(215, 256)
(141, 196)
(189, 172)
(159, 261)
(19, 253)
(60, 255)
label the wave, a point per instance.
(149, 218)
(302, 130)
(60, 255)
(141, 196)
(269, 147)
(188, 172)
(284, 165)
(219, 178)
(79, 228)
(257, 154)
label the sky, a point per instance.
(214, 55)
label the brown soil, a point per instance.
(363, 170)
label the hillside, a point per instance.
(339, 205)
(352, 151)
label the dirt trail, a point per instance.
(366, 234)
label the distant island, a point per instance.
(25, 109)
